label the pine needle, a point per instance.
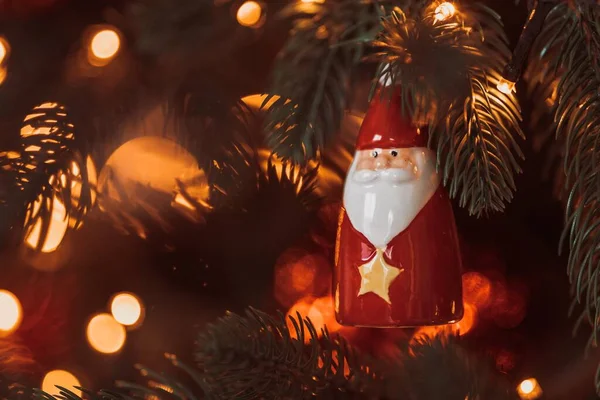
(567, 56)
(448, 72)
(43, 172)
(314, 72)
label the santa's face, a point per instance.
(386, 188)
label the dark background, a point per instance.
(184, 290)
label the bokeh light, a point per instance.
(105, 334)
(60, 378)
(299, 274)
(477, 289)
(509, 304)
(57, 227)
(104, 46)
(4, 50)
(324, 307)
(154, 162)
(3, 74)
(11, 312)
(321, 313)
(506, 87)
(505, 361)
(127, 309)
(529, 389)
(314, 1)
(249, 14)
(444, 11)
(468, 320)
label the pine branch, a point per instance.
(257, 356)
(451, 373)
(568, 49)
(224, 135)
(542, 80)
(472, 124)
(49, 168)
(219, 130)
(314, 71)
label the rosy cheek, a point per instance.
(366, 163)
(400, 162)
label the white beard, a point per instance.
(381, 204)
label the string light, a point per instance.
(249, 14)
(10, 312)
(104, 46)
(126, 309)
(444, 11)
(61, 378)
(505, 86)
(529, 389)
(105, 334)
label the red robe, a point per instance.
(427, 292)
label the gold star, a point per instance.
(377, 276)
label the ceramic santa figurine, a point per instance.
(397, 256)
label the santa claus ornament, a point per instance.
(397, 258)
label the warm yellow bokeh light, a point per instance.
(105, 334)
(505, 86)
(126, 309)
(4, 49)
(314, 1)
(444, 11)
(105, 44)
(249, 13)
(3, 74)
(60, 378)
(11, 312)
(76, 181)
(527, 386)
(56, 229)
(529, 389)
(154, 162)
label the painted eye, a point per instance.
(394, 153)
(375, 153)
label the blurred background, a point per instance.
(149, 106)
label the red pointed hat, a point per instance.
(385, 127)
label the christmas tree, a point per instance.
(174, 220)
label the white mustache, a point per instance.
(394, 175)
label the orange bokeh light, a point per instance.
(11, 312)
(444, 11)
(105, 334)
(105, 45)
(249, 14)
(299, 274)
(60, 378)
(477, 289)
(127, 309)
(320, 312)
(57, 229)
(509, 304)
(506, 86)
(529, 389)
(4, 49)
(467, 322)
(461, 327)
